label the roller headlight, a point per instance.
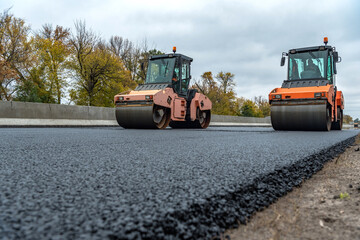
(319, 94)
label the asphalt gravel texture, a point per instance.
(111, 183)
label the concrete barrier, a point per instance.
(53, 111)
(238, 119)
(22, 114)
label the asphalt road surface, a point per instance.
(111, 183)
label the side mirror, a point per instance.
(282, 62)
(336, 56)
(142, 66)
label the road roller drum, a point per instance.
(302, 116)
(142, 117)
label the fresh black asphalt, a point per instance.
(111, 183)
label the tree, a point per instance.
(7, 77)
(53, 49)
(85, 62)
(124, 49)
(120, 47)
(239, 103)
(207, 85)
(132, 56)
(249, 109)
(263, 105)
(34, 89)
(129, 54)
(223, 102)
(15, 53)
(98, 72)
(347, 119)
(226, 81)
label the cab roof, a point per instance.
(171, 55)
(309, 49)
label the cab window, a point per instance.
(307, 65)
(329, 69)
(185, 76)
(176, 77)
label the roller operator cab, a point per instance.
(165, 98)
(308, 99)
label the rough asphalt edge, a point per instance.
(209, 218)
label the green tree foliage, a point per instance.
(33, 89)
(249, 109)
(259, 107)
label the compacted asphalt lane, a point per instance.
(112, 183)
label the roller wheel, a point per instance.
(339, 123)
(161, 117)
(203, 118)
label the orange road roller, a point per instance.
(165, 98)
(308, 100)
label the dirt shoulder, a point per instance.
(326, 206)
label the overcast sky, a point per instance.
(242, 37)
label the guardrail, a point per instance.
(43, 114)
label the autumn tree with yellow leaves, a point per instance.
(53, 49)
(15, 54)
(99, 74)
(221, 93)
